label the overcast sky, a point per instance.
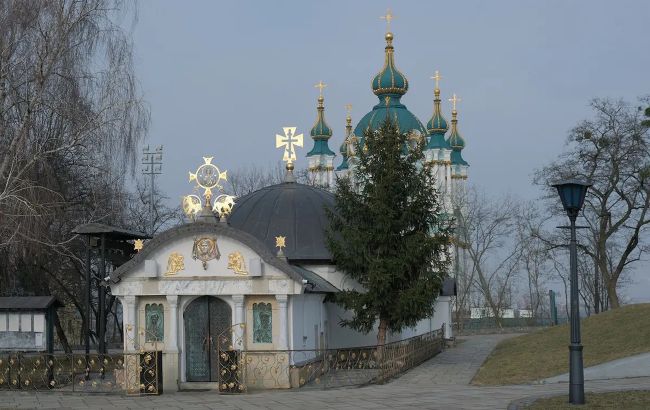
(222, 78)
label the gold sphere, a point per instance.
(389, 36)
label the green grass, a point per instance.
(611, 335)
(631, 399)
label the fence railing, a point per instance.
(131, 373)
(239, 371)
(327, 368)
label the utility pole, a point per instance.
(152, 166)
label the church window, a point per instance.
(154, 322)
(262, 326)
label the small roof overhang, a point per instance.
(10, 303)
(111, 232)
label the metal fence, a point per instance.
(240, 371)
(248, 370)
(131, 373)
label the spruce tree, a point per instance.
(388, 232)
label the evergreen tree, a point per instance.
(389, 234)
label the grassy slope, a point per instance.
(544, 353)
(634, 399)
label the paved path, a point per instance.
(633, 366)
(440, 383)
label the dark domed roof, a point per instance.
(292, 210)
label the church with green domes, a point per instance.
(390, 86)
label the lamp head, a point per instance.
(572, 193)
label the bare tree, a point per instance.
(494, 253)
(71, 117)
(612, 150)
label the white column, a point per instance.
(172, 343)
(283, 313)
(238, 334)
(129, 322)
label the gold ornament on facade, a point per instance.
(205, 249)
(138, 244)
(175, 264)
(236, 263)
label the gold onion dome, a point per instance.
(389, 80)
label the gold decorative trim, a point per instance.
(175, 264)
(236, 263)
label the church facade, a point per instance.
(256, 279)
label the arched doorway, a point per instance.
(205, 318)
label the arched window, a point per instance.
(262, 323)
(154, 322)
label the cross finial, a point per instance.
(288, 142)
(388, 17)
(320, 85)
(437, 77)
(454, 100)
(348, 109)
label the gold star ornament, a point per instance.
(138, 244)
(280, 242)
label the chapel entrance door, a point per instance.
(205, 319)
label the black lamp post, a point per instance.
(572, 193)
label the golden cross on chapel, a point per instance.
(348, 109)
(437, 77)
(388, 17)
(320, 87)
(454, 100)
(289, 141)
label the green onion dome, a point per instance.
(389, 80)
(456, 141)
(320, 132)
(345, 146)
(437, 125)
(390, 85)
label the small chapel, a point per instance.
(253, 273)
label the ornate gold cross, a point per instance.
(437, 77)
(454, 100)
(320, 85)
(388, 17)
(289, 141)
(348, 109)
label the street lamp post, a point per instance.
(572, 194)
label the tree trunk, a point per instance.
(61, 334)
(612, 295)
(381, 334)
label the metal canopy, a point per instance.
(111, 232)
(28, 302)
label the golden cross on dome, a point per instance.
(348, 109)
(289, 141)
(454, 100)
(388, 17)
(320, 87)
(437, 77)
